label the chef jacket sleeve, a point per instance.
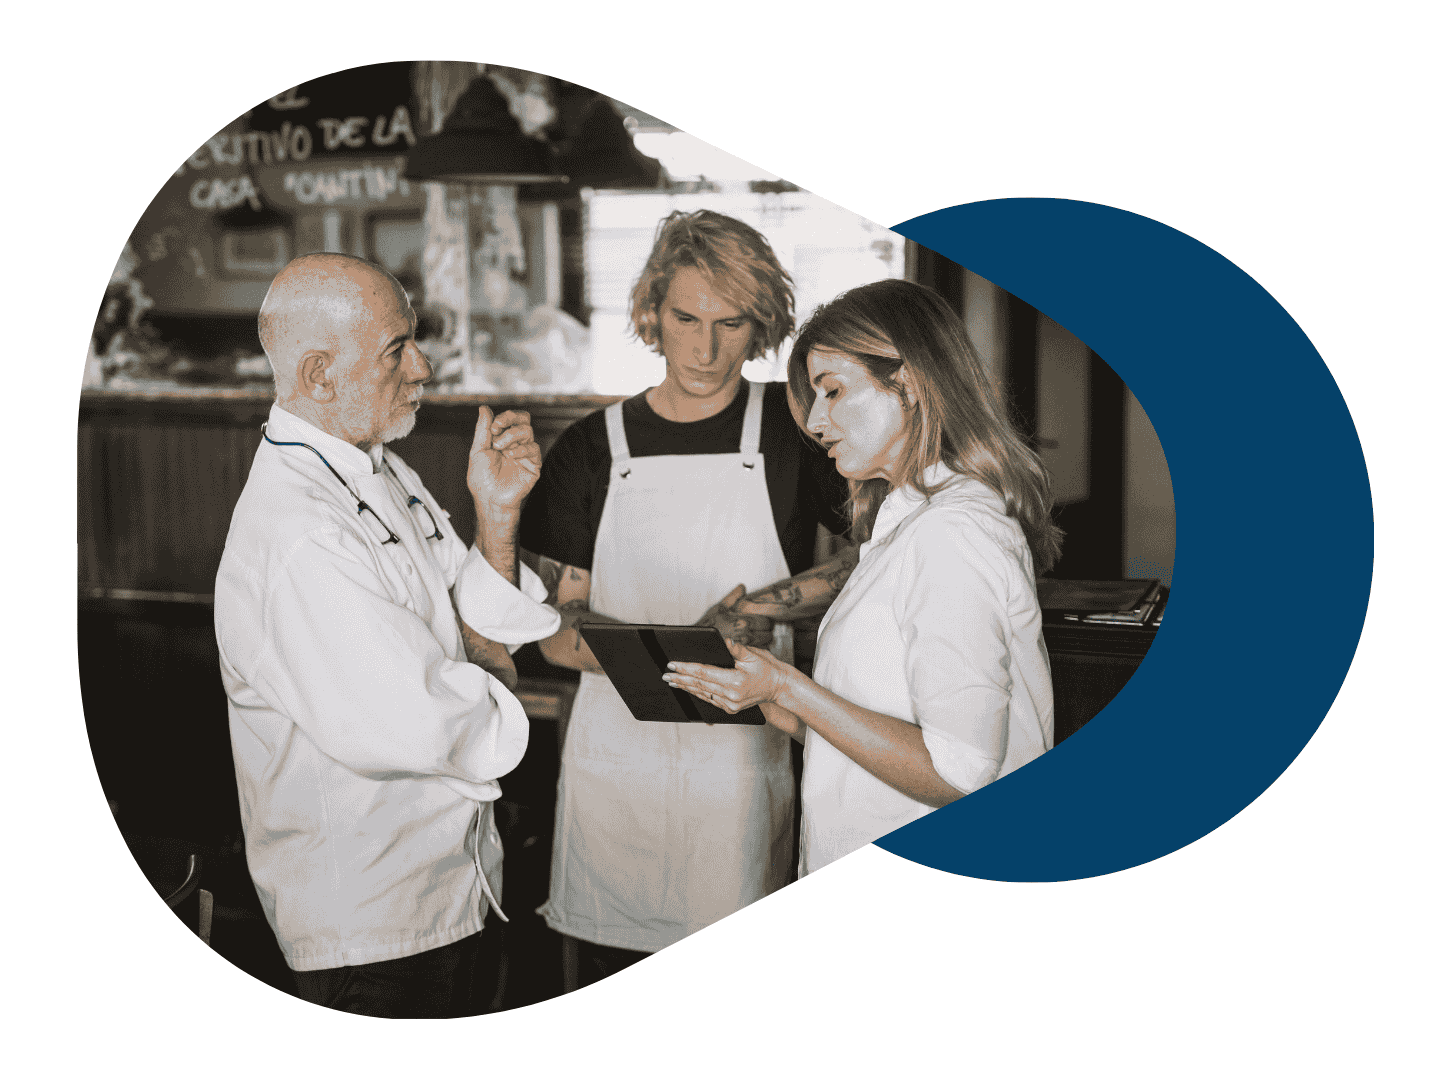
(953, 618)
(489, 604)
(498, 610)
(366, 678)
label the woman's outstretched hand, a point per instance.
(758, 676)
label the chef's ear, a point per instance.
(313, 376)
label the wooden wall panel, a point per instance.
(159, 476)
(155, 503)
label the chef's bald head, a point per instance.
(314, 305)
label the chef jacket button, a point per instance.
(408, 568)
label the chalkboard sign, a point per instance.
(359, 112)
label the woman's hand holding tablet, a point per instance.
(757, 677)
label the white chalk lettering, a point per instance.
(300, 142)
(401, 125)
(221, 194)
(348, 132)
(288, 100)
(373, 184)
(380, 183)
(353, 131)
(219, 153)
(258, 147)
(302, 186)
(400, 128)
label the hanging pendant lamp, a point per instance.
(481, 143)
(603, 154)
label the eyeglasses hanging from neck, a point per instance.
(362, 507)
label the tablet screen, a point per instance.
(634, 658)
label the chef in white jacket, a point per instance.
(365, 653)
(932, 678)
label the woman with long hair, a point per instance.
(931, 676)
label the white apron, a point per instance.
(661, 829)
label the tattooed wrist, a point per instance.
(572, 613)
(549, 571)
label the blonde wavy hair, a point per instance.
(960, 417)
(734, 258)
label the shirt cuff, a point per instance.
(959, 763)
(498, 610)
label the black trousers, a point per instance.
(433, 984)
(596, 962)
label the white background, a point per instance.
(1298, 939)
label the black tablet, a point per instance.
(635, 658)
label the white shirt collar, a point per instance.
(348, 460)
(901, 501)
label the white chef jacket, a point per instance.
(939, 626)
(367, 749)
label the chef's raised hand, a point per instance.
(758, 676)
(505, 461)
(736, 626)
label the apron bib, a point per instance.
(661, 829)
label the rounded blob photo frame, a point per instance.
(1258, 442)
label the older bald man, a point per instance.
(365, 655)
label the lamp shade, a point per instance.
(481, 143)
(603, 155)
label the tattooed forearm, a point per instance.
(548, 570)
(786, 593)
(573, 612)
(810, 592)
(567, 648)
(837, 576)
(550, 574)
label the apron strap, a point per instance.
(752, 425)
(616, 435)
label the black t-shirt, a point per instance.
(563, 512)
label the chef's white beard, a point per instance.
(358, 417)
(399, 429)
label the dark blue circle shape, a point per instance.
(1274, 556)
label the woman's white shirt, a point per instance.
(938, 626)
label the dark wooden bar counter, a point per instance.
(161, 470)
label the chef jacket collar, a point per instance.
(903, 500)
(348, 460)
